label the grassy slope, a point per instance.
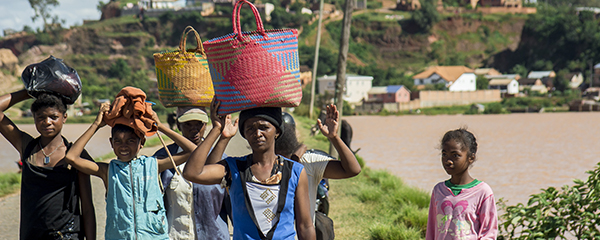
(374, 204)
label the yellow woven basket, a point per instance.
(183, 76)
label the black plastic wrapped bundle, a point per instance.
(52, 76)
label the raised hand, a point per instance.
(155, 118)
(230, 129)
(330, 127)
(217, 120)
(104, 108)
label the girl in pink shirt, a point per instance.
(462, 207)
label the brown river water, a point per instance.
(518, 153)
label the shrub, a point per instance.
(389, 232)
(9, 183)
(553, 213)
(493, 108)
(414, 217)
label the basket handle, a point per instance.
(235, 19)
(168, 153)
(182, 42)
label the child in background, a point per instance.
(134, 201)
(462, 207)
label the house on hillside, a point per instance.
(503, 76)
(575, 79)
(265, 9)
(389, 94)
(408, 5)
(357, 87)
(541, 74)
(496, 3)
(455, 78)
(305, 75)
(506, 83)
(539, 81)
(534, 84)
(486, 71)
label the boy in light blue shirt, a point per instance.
(134, 202)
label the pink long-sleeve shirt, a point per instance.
(468, 215)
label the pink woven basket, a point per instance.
(254, 69)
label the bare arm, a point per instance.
(304, 224)
(9, 130)
(184, 143)
(195, 169)
(348, 165)
(73, 155)
(88, 212)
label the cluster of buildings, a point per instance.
(154, 8)
(459, 79)
(485, 6)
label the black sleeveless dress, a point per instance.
(50, 207)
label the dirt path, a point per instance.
(9, 206)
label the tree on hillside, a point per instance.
(42, 8)
(426, 16)
(481, 82)
(561, 83)
(572, 3)
(120, 69)
(557, 37)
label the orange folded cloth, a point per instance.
(131, 109)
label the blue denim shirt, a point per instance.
(134, 203)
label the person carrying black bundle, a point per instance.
(56, 200)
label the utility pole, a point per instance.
(314, 72)
(591, 73)
(340, 81)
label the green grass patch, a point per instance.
(386, 17)
(9, 183)
(112, 22)
(450, 110)
(124, 34)
(374, 204)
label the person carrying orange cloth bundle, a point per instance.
(134, 201)
(131, 109)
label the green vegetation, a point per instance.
(427, 16)
(373, 205)
(556, 213)
(549, 36)
(9, 183)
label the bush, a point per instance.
(493, 108)
(9, 183)
(553, 213)
(426, 16)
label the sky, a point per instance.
(15, 14)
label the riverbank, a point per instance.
(373, 205)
